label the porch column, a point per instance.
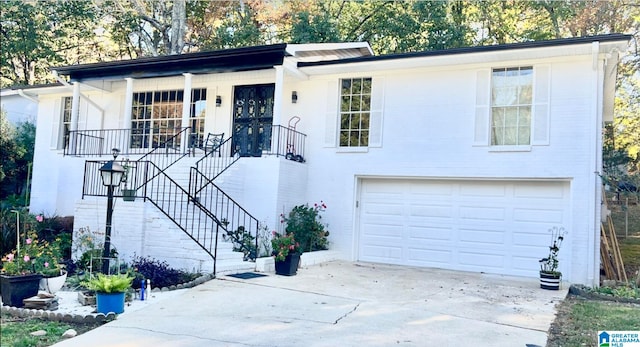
(75, 115)
(277, 96)
(276, 132)
(128, 106)
(186, 112)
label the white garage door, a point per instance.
(489, 226)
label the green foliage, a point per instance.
(304, 223)
(17, 143)
(34, 256)
(243, 241)
(158, 272)
(550, 263)
(282, 245)
(16, 332)
(38, 34)
(110, 283)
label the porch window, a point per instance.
(157, 116)
(355, 112)
(511, 105)
(65, 124)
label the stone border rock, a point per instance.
(585, 292)
(93, 317)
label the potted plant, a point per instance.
(286, 252)
(23, 269)
(305, 223)
(549, 275)
(110, 291)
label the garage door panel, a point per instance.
(432, 211)
(546, 216)
(490, 226)
(429, 233)
(482, 237)
(485, 190)
(482, 213)
(429, 257)
(534, 190)
(383, 253)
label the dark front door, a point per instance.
(252, 119)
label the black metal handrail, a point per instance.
(128, 141)
(170, 198)
(238, 224)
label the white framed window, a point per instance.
(157, 116)
(61, 124)
(511, 106)
(355, 112)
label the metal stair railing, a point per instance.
(171, 199)
(238, 224)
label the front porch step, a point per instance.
(224, 267)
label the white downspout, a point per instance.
(66, 84)
(30, 98)
(186, 111)
(594, 232)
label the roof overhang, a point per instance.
(228, 60)
(469, 55)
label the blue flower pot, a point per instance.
(110, 302)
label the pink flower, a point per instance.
(29, 241)
(292, 247)
(10, 257)
(46, 264)
(26, 258)
(39, 218)
(273, 233)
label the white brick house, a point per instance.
(459, 159)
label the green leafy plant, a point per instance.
(110, 283)
(282, 245)
(305, 223)
(550, 264)
(243, 241)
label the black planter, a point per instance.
(550, 281)
(129, 195)
(289, 266)
(17, 288)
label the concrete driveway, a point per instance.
(342, 304)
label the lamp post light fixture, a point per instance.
(111, 174)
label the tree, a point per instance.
(38, 34)
(17, 143)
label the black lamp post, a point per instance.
(111, 174)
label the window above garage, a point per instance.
(512, 107)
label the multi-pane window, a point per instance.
(156, 117)
(66, 121)
(355, 108)
(511, 100)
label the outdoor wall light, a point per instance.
(294, 97)
(218, 101)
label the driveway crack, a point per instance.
(346, 314)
